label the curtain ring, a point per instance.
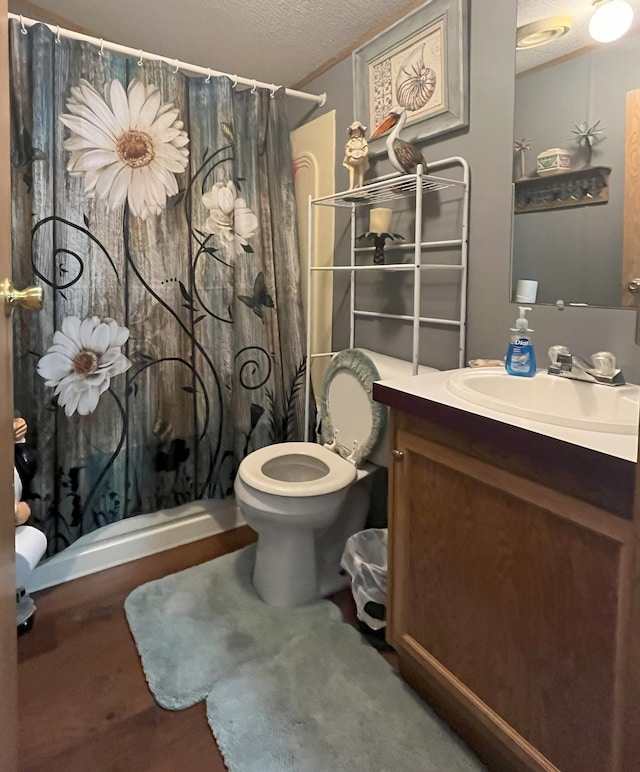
(255, 86)
(58, 34)
(23, 29)
(101, 51)
(140, 60)
(175, 72)
(234, 81)
(208, 78)
(272, 93)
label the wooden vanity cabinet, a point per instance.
(510, 599)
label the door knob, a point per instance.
(30, 297)
(634, 286)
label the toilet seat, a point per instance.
(320, 470)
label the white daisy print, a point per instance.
(86, 354)
(129, 146)
(229, 216)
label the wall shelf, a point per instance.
(577, 187)
(383, 189)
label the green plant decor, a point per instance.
(587, 136)
(379, 240)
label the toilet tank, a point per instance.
(390, 367)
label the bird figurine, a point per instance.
(403, 156)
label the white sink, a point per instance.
(551, 399)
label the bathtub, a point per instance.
(137, 537)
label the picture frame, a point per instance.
(420, 63)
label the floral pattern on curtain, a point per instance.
(157, 211)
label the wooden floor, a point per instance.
(84, 703)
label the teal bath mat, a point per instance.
(287, 690)
(195, 626)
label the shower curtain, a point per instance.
(157, 212)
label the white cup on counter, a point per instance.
(526, 291)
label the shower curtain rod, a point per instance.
(320, 99)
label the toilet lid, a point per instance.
(347, 410)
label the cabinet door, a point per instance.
(507, 596)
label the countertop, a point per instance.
(418, 394)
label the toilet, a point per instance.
(305, 499)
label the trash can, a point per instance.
(365, 560)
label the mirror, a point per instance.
(569, 231)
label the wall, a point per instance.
(488, 146)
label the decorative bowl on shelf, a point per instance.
(552, 161)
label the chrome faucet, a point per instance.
(602, 369)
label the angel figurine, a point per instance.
(356, 153)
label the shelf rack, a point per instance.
(563, 189)
(384, 189)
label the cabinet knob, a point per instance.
(397, 455)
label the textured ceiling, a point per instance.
(280, 41)
(578, 37)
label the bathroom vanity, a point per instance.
(514, 587)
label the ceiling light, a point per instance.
(611, 19)
(537, 33)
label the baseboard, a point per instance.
(136, 538)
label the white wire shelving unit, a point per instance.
(379, 191)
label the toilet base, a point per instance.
(299, 563)
(272, 578)
(280, 555)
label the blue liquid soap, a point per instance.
(521, 358)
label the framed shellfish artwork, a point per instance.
(421, 64)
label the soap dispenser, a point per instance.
(521, 358)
